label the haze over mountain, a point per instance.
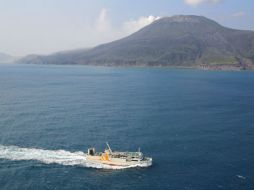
(5, 58)
(182, 40)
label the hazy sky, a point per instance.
(47, 26)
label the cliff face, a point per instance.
(171, 41)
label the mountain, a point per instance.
(62, 57)
(5, 58)
(182, 40)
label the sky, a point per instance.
(48, 26)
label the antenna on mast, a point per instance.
(109, 147)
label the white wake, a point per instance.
(62, 157)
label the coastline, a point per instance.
(196, 67)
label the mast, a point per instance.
(109, 147)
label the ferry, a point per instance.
(117, 160)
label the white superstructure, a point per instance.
(117, 160)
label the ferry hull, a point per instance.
(115, 163)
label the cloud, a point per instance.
(103, 31)
(198, 2)
(103, 22)
(134, 25)
(239, 14)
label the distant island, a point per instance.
(177, 41)
(6, 58)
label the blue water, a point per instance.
(197, 125)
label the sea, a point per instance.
(198, 126)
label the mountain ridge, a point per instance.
(179, 41)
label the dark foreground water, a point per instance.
(197, 125)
